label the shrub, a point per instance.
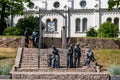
(114, 69)
(107, 30)
(5, 69)
(91, 32)
(30, 22)
(13, 31)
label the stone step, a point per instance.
(60, 75)
(30, 57)
(81, 69)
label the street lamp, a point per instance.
(40, 35)
(64, 29)
(99, 12)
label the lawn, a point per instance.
(106, 57)
(7, 59)
(7, 55)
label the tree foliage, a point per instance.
(30, 22)
(13, 31)
(113, 3)
(108, 29)
(91, 32)
(10, 7)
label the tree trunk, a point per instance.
(2, 24)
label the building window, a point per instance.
(55, 24)
(47, 22)
(84, 24)
(56, 4)
(116, 21)
(83, 3)
(77, 24)
(109, 19)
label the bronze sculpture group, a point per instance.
(90, 57)
(34, 37)
(54, 58)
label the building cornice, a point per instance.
(71, 11)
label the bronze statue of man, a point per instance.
(26, 34)
(77, 55)
(90, 55)
(35, 37)
(70, 56)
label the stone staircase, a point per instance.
(29, 58)
(26, 67)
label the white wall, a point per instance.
(16, 18)
(104, 3)
(90, 23)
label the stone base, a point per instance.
(60, 75)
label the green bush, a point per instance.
(91, 32)
(13, 31)
(5, 69)
(30, 22)
(114, 69)
(108, 30)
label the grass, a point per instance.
(10, 36)
(117, 38)
(7, 56)
(106, 57)
(7, 59)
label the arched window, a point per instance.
(77, 24)
(116, 21)
(84, 24)
(109, 19)
(55, 24)
(47, 21)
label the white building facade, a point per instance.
(77, 16)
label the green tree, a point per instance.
(30, 22)
(10, 7)
(108, 29)
(113, 3)
(91, 32)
